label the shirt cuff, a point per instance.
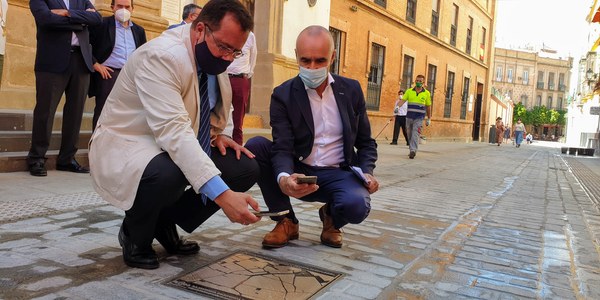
(214, 187)
(281, 175)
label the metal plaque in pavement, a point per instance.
(244, 275)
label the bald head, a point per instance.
(315, 32)
(314, 47)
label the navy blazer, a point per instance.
(293, 127)
(102, 38)
(54, 33)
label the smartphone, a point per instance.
(306, 179)
(269, 213)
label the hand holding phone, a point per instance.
(269, 213)
(306, 179)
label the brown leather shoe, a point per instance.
(284, 231)
(330, 236)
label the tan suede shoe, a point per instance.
(330, 236)
(284, 231)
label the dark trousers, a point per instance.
(399, 122)
(349, 201)
(50, 87)
(240, 88)
(103, 88)
(162, 197)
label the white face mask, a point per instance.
(122, 15)
(312, 78)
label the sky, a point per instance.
(556, 24)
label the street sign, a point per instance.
(595, 110)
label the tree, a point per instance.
(519, 111)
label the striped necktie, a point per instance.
(204, 130)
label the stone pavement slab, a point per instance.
(460, 221)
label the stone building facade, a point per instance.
(532, 78)
(386, 44)
(382, 43)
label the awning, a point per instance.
(594, 15)
(595, 45)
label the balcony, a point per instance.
(561, 87)
(540, 85)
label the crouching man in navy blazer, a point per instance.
(320, 128)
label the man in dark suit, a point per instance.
(63, 64)
(190, 13)
(112, 43)
(318, 120)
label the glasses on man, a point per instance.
(224, 49)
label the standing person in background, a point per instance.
(507, 132)
(3, 9)
(190, 13)
(519, 131)
(419, 107)
(499, 130)
(399, 119)
(63, 63)
(240, 71)
(112, 43)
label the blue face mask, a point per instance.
(312, 78)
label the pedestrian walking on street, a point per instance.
(419, 107)
(507, 132)
(399, 119)
(519, 132)
(499, 130)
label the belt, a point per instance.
(75, 48)
(242, 75)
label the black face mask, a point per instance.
(209, 63)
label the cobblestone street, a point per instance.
(472, 221)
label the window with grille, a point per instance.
(551, 81)
(453, 26)
(525, 77)
(337, 45)
(431, 75)
(538, 101)
(540, 81)
(382, 3)
(509, 75)
(407, 72)
(498, 73)
(560, 103)
(561, 82)
(524, 100)
(449, 92)
(465, 98)
(469, 36)
(411, 11)
(482, 47)
(435, 17)
(549, 102)
(375, 76)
